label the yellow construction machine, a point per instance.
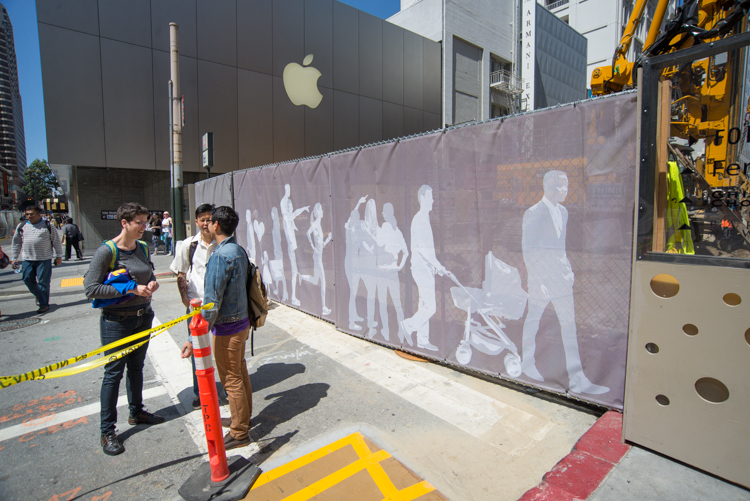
(706, 95)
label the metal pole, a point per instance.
(178, 228)
(171, 154)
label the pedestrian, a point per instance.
(226, 278)
(166, 232)
(424, 267)
(36, 242)
(123, 318)
(71, 236)
(154, 225)
(190, 266)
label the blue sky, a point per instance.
(23, 17)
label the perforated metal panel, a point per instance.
(687, 391)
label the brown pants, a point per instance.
(229, 353)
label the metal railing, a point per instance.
(506, 81)
(558, 3)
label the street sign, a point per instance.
(208, 150)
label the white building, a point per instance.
(477, 39)
(603, 22)
(493, 66)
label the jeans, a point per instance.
(167, 239)
(36, 276)
(111, 329)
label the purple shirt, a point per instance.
(230, 328)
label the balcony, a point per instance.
(505, 81)
(555, 4)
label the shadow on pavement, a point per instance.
(20, 316)
(289, 404)
(268, 375)
(141, 473)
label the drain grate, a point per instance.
(9, 325)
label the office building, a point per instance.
(105, 70)
(499, 56)
(12, 142)
(603, 22)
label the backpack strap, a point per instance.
(191, 251)
(144, 248)
(115, 253)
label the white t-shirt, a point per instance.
(197, 274)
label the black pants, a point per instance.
(74, 243)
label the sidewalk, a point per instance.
(601, 468)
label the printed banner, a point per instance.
(285, 226)
(504, 246)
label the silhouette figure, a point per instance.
(288, 215)
(550, 279)
(277, 265)
(316, 232)
(250, 236)
(424, 266)
(391, 243)
(354, 231)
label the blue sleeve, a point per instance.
(215, 284)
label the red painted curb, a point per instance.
(577, 475)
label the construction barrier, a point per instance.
(204, 370)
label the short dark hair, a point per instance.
(34, 208)
(69, 220)
(129, 210)
(227, 219)
(203, 208)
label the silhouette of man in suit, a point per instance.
(550, 280)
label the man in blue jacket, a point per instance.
(225, 286)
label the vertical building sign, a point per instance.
(528, 42)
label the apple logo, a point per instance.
(301, 83)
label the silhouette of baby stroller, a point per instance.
(501, 296)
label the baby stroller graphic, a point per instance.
(501, 296)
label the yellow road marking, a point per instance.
(338, 476)
(71, 282)
(300, 462)
(367, 460)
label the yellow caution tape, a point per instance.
(53, 370)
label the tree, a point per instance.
(39, 176)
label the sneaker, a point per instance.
(232, 443)
(111, 444)
(197, 403)
(43, 309)
(144, 417)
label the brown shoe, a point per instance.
(232, 443)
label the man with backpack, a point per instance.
(36, 242)
(189, 265)
(72, 237)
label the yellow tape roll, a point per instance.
(53, 370)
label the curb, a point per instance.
(580, 473)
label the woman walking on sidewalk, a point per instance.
(123, 314)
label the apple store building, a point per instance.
(272, 80)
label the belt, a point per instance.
(129, 313)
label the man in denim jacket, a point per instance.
(226, 275)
